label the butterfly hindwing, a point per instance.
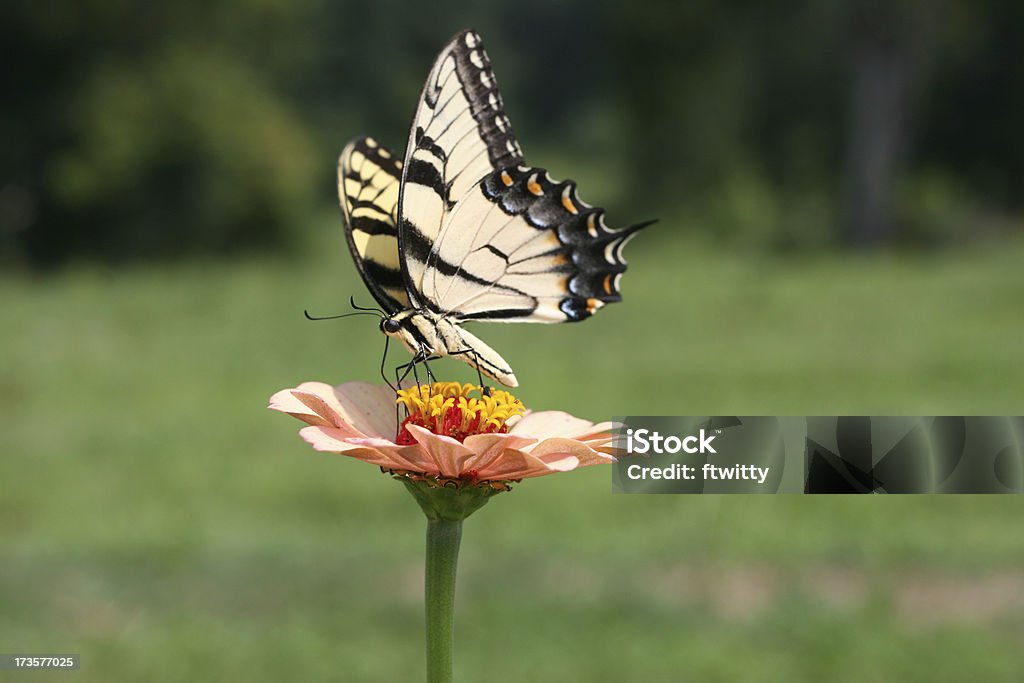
(369, 178)
(524, 248)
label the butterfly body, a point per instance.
(462, 230)
(426, 334)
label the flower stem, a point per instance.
(443, 537)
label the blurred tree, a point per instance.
(149, 130)
(887, 49)
(734, 113)
(823, 122)
(975, 102)
(170, 129)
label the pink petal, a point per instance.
(410, 457)
(447, 454)
(550, 423)
(369, 408)
(356, 419)
(569, 462)
(325, 411)
(285, 401)
(514, 465)
(380, 452)
(489, 447)
(555, 450)
(360, 407)
(334, 440)
(606, 445)
(600, 430)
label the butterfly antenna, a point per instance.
(375, 311)
(335, 317)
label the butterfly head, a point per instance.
(414, 330)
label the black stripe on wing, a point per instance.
(588, 253)
(369, 177)
(481, 89)
(460, 133)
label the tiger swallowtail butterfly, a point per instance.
(463, 230)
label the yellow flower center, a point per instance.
(457, 410)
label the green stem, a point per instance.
(443, 538)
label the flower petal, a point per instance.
(380, 452)
(608, 444)
(489, 447)
(549, 423)
(368, 407)
(360, 407)
(357, 419)
(325, 411)
(513, 465)
(286, 402)
(554, 450)
(446, 453)
(600, 430)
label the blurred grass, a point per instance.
(157, 519)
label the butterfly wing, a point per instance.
(525, 248)
(369, 178)
(460, 133)
(484, 237)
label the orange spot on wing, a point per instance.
(608, 283)
(534, 187)
(506, 178)
(569, 206)
(593, 305)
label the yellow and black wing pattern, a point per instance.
(484, 237)
(461, 227)
(369, 177)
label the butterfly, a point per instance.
(462, 230)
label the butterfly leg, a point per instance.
(401, 372)
(405, 369)
(430, 375)
(399, 378)
(383, 362)
(419, 358)
(394, 387)
(476, 364)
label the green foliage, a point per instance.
(154, 133)
(211, 127)
(191, 150)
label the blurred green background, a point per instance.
(840, 189)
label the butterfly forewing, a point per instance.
(369, 178)
(460, 133)
(483, 236)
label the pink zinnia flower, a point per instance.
(452, 435)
